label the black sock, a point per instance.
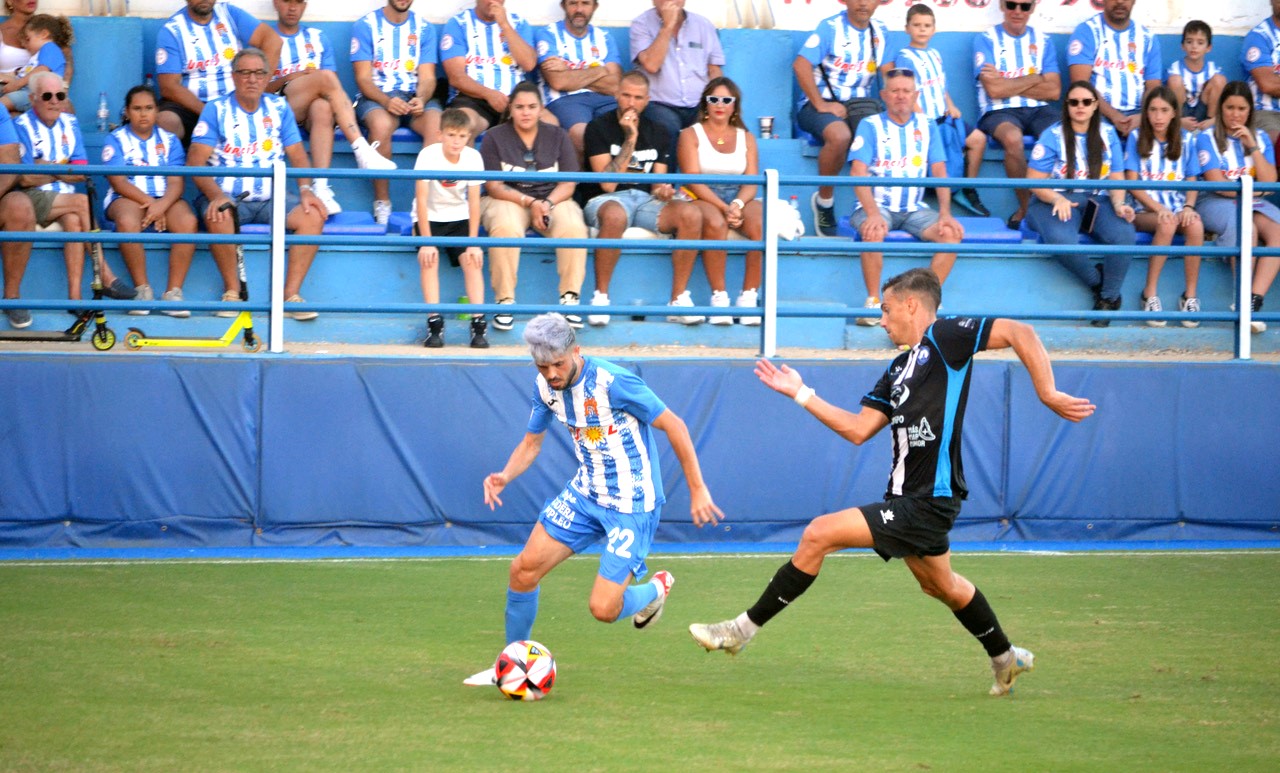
(785, 587)
(979, 620)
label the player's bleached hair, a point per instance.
(921, 282)
(248, 51)
(549, 337)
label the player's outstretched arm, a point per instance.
(701, 507)
(1026, 344)
(857, 428)
(523, 455)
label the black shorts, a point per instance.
(458, 228)
(188, 118)
(908, 526)
(480, 106)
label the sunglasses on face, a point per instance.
(1024, 7)
(713, 99)
(900, 72)
(50, 96)
(1082, 102)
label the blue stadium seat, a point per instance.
(341, 224)
(977, 230)
(400, 224)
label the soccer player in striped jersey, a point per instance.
(194, 50)
(250, 128)
(1016, 68)
(1260, 59)
(616, 494)
(1120, 57)
(394, 56)
(921, 397)
(1162, 150)
(486, 51)
(150, 199)
(580, 68)
(1196, 81)
(900, 143)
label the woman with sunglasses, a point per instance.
(523, 143)
(1162, 150)
(719, 144)
(1082, 147)
(153, 201)
(1235, 148)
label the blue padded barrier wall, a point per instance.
(134, 450)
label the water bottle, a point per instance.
(149, 82)
(795, 203)
(466, 314)
(104, 112)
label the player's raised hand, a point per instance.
(783, 379)
(494, 483)
(1069, 407)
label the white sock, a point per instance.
(320, 182)
(745, 625)
(1003, 658)
(360, 144)
(826, 202)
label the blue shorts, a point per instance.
(1033, 121)
(581, 108)
(913, 223)
(1199, 111)
(578, 523)
(641, 207)
(815, 121)
(364, 106)
(251, 212)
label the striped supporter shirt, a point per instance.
(1013, 56)
(395, 51)
(243, 139)
(1157, 167)
(202, 53)
(1050, 154)
(307, 49)
(58, 144)
(1261, 48)
(1121, 60)
(489, 61)
(1194, 82)
(845, 58)
(595, 49)
(892, 150)
(124, 148)
(1234, 163)
(931, 81)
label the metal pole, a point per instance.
(276, 315)
(769, 296)
(1244, 300)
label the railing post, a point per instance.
(276, 315)
(1243, 291)
(769, 285)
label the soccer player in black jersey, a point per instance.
(922, 395)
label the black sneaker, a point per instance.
(824, 218)
(504, 321)
(120, 290)
(478, 329)
(969, 200)
(1102, 304)
(1257, 326)
(435, 329)
(570, 298)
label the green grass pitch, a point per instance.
(1144, 662)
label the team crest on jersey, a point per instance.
(446, 42)
(590, 407)
(108, 153)
(595, 52)
(201, 129)
(310, 49)
(413, 40)
(543, 47)
(1038, 152)
(1204, 158)
(1075, 48)
(922, 355)
(220, 28)
(267, 121)
(162, 56)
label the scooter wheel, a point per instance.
(133, 339)
(254, 346)
(103, 339)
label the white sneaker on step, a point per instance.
(747, 300)
(720, 299)
(682, 301)
(381, 211)
(323, 192)
(598, 299)
(368, 157)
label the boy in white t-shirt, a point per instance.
(450, 208)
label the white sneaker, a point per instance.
(725, 636)
(570, 298)
(1020, 661)
(504, 321)
(598, 299)
(720, 299)
(1257, 326)
(368, 157)
(747, 300)
(301, 316)
(174, 295)
(650, 614)
(1153, 304)
(323, 192)
(1189, 305)
(485, 678)
(872, 303)
(381, 211)
(145, 293)
(230, 296)
(684, 301)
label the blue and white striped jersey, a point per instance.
(1013, 56)
(1122, 61)
(1261, 48)
(489, 61)
(124, 148)
(202, 53)
(845, 58)
(898, 150)
(307, 49)
(1234, 163)
(1157, 167)
(1050, 154)
(51, 57)
(931, 81)
(608, 412)
(394, 50)
(1194, 82)
(596, 49)
(244, 139)
(58, 144)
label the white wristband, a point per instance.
(803, 395)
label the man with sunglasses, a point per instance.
(1122, 60)
(1016, 69)
(680, 52)
(194, 50)
(836, 71)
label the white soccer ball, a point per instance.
(526, 671)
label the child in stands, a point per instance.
(45, 37)
(1196, 81)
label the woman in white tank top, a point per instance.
(719, 144)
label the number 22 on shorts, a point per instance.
(620, 542)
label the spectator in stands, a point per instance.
(1082, 147)
(486, 51)
(719, 144)
(1016, 68)
(624, 140)
(141, 201)
(450, 208)
(45, 37)
(1260, 59)
(307, 76)
(680, 52)
(194, 50)
(964, 146)
(1120, 57)
(1195, 80)
(13, 51)
(525, 143)
(249, 128)
(51, 136)
(16, 214)
(900, 143)
(1236, 147)
(1162, 150)
(580, 68)
(394, 55)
